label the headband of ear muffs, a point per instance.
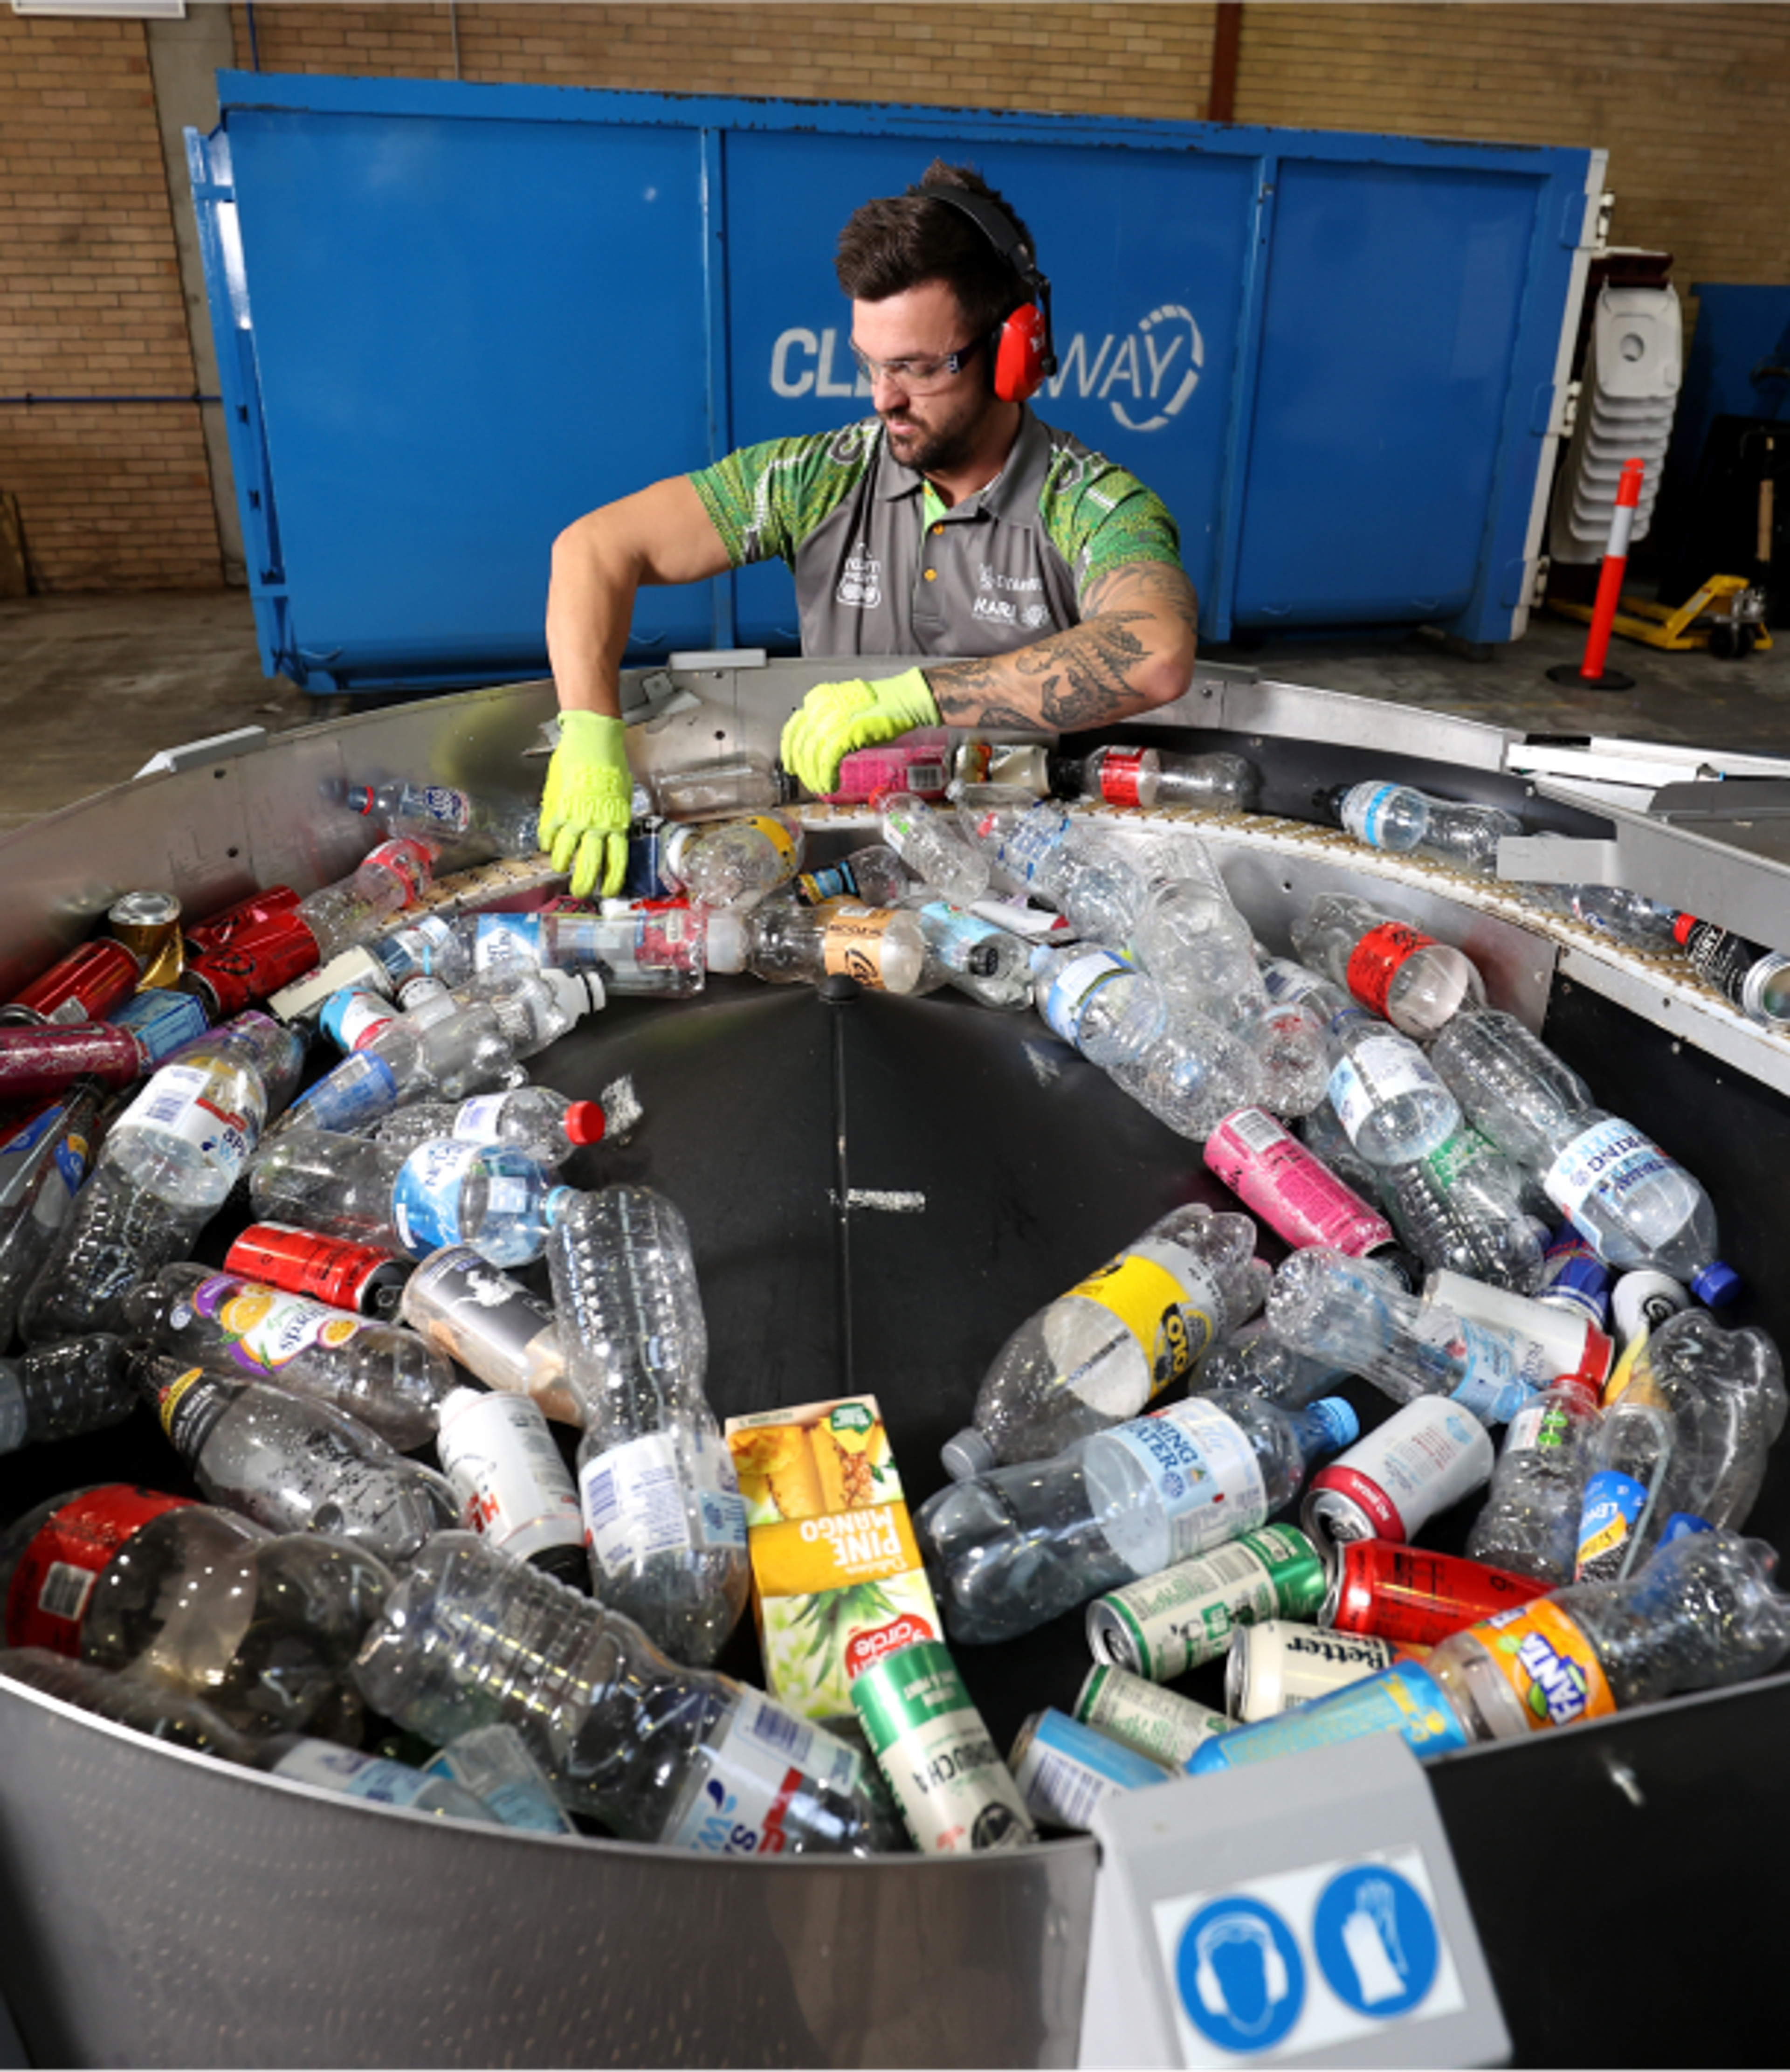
(1020, 354)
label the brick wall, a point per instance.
(1689, 99)
(111, 496)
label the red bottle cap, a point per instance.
(585, 1122)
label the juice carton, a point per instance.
(836, 1577)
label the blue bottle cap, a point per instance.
(1682, 1524)
(1715, 1284)
(1342, 1427)
(559, 1200)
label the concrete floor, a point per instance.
(91, 686)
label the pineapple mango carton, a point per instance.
(837, 1581)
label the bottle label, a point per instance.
(1165, 1625)
(1076, 982)
(1203, 1471)
(760, 1762)
(641, 1498)
(189, 1406)
(1492, 1383)
(375, 1779)
(361, 1089)
(267, 1329)
(506, 941)
(838, 880)
(1613, 1502)
(423, 943)
(355, 1017)
(1539, 1427)
(1378, 1070)
(1166, 1298)
(1546, 1659)
(507, 1471)
(1363, 809)
(1455, 1156)
(47, 1596)
(955, 936)
(1377, 959)
(1288, 982)
(1723, 960)
(180, 1102)
(855, 941)
(425, 1200)
(1121, 769)
(1607, 1161)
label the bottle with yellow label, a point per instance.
(1100, 1353)
(733, 863)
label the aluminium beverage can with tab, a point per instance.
(328, 1269)
(1154, 1721)
(87, 985)
(149, 924)
(1428, 1454)
(1165, 1624)
(956, 1795)
(1412, 1596)
(1064, 1769)
(1282, 1663)
(253, 963)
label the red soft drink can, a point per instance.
(328, 1269)
(254, 912)
(253, 963)
(1411, 1596)
(85, 985)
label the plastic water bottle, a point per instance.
(1404, 821)
(981, 958)
(882, 948)
(1193, 1074)
(1330, 1306)
(1389, 1099)
(391, 1380)
(739, 781)
(1459, 1209)
(875, 876)
(663, 1518)
(1038, 849)
(540, 1124)
(1417, 983)
(441, 1050)
(1100, 1002)
(733, 863)
(1322, 1135)
(929, 843)
(1255, 1360)
(355, 909)
(1635, 1205)
(1529, 1524)
(1097, 1354)
(657, 1753)
(293, 1464)
(1015, 1547)
(493, 1763)
(444, 1192)
(42, 1167)
(1612, 910)
(1152, 777)
(58, 1391)
(262, 1626)
(444, 814)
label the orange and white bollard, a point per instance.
(1591, 675)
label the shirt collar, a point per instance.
(1013, 494)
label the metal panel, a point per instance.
(452, 318)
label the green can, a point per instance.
(1144, 1716)
(955, 1794)
(1166, 1624)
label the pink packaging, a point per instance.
(919, 763)
(1290, 1188)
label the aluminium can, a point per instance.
(506, 1469)
(329, 1269)
(1427, 1456)
(1412, 1596)
(1064, 1769)
(956, 1795)
(149, 924)
(1154, 1721)
(1166, 1624)
(1281, 1663)
(87, 985)
(253, 963)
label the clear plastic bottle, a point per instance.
(1322, 1134)
(263, 1627)
(1627, 917)
(433, 948)
(656, 1753)
(1256, 1361)
(1417, 983)
(293, 1464)
(391, 1380)
(1097, 1354)
(1702, 1615)
(444, 813)
(1636, 1205)
(444, 1192)
(1399, 818)
(1640, 1474)
(1330, 1306)
(1038, 849)
(535, 1008)
(1725, 1390)
(494, 1764)
(733, 863)
(1100, 1002)
(1152, 777)
(355, 909)
(1459, 1209)
(656, 948)
(998, 962)
(57, 1391)
(1529, 1522)
(1193, 1074)
(1014, 1548)
(882, 948)
(663, 1518)
(42, 1167)
(540, 1124)
(1393, 1104)
(493, 1326)
(1189, 935)
(875, 876)
(440, 1049)
(740, 781)
(931, 845)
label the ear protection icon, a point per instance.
(1276, 1985)
(1021, 352)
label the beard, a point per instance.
(931, 448)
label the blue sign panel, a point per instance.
(1240, 1974)
(1375, 1940)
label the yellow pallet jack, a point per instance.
(1697, 623)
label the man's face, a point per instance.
(937, 430)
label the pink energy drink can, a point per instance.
(919, 763)
(1290, 1188)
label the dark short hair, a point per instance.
(895, 243)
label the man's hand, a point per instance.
(588, 803)
(835, 718)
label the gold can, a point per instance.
(148, 923)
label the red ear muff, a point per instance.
(1019, 350)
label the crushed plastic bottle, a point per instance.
(540, 1124)
(1036, 848)
(57, 1391)
(1193, 1074)
(1459, 1208)
(733, 863)
(1529, 1522)
(932, 846)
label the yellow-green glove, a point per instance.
(588, 803)
(835, 718)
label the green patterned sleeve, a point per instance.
(765, 500)
(1100, 517)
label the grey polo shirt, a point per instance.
(874, 576)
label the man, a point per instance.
(953, 523)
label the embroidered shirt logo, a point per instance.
(861, 585)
